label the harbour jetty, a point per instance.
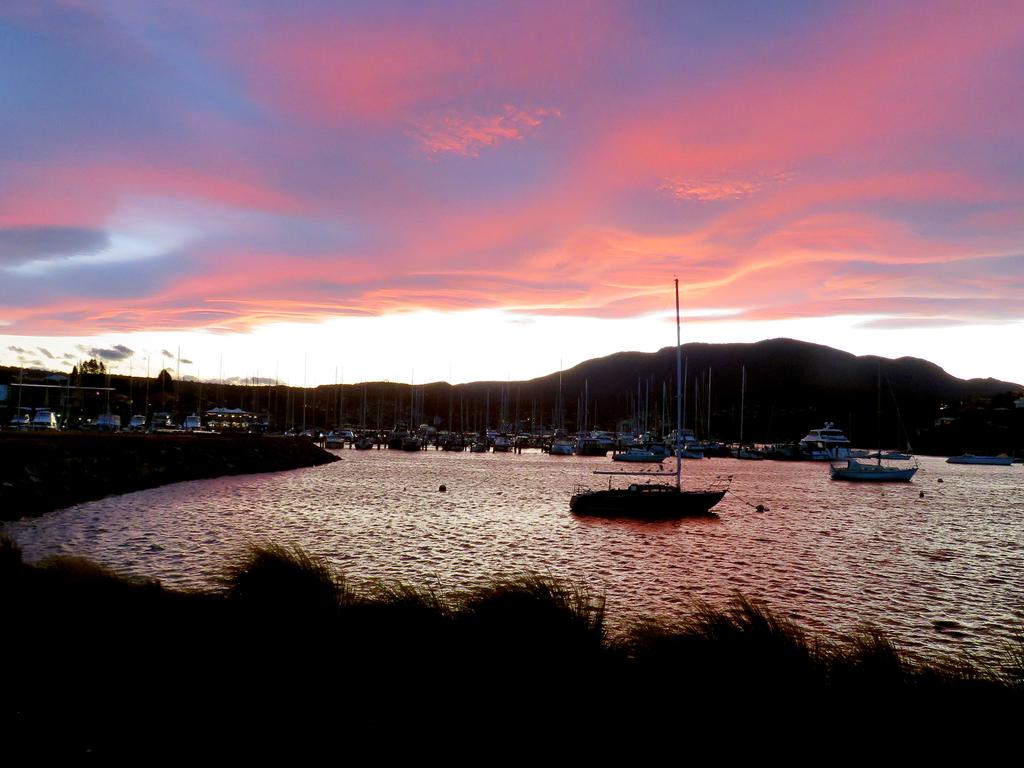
(43, 471)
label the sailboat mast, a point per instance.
(679, 395)
(743, 398)
(878, 415)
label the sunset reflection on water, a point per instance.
(942, 573)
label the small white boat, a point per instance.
(639, 454)
(108, 422)
(873, 473)
(748, 454)
(587, 445)
(44, 418)
(562, 446)
(890, 456)
(970, 458)
(21, 421)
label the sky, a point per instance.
(324, 191)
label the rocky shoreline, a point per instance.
(40, 472)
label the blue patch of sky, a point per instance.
(55, 92)
(189, 50)
(98, 281)
(300, 236)
(23, 244)
(101, 87)
(713, 40)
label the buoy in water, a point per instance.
(939, 480)
(920, 495)
(443, 489)
(761, 508)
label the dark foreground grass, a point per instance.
(286, 656)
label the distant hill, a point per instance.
(792, 387)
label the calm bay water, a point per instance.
(941, 574)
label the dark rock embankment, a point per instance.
(40, 472)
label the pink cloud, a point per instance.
(821, 158)
(711, 189)
(871, 88)
(467, 134)
(396, 66)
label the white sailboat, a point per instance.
(856, 470)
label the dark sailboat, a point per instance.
(656, 501)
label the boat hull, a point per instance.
(638, 458)
(646, 503)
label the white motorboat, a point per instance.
(826, 444)
(970, 458)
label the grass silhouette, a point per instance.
(285, 651)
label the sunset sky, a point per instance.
(460, 191)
